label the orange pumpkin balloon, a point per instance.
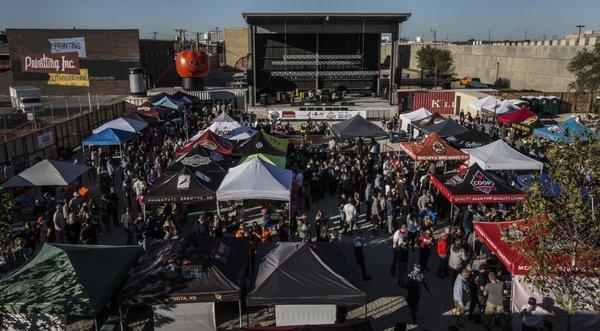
(191, 64)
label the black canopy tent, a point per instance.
(202, 159)
(305, 273)
(445, 128)
(435, 118)
(189, 270)
(186, 185)
(469, 139)
(262, 143)
(357, 126)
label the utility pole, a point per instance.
(197, 41)
(434, 31)
(181, 38)
(525, 34)
(579, 33)
(154, 33)
(490, 36)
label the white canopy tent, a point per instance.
(505, 106)
(416, 115)
(220, 128)
(256, 179)
(489, 102)
(123, 123)
(500, 156)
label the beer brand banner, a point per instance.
(64, 63)
(82, 79)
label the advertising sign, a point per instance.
(45, 140)
(65, 63)
(68, 45)
(82, 79)
(315, 115)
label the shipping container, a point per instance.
(441, 102)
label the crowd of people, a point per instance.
(388, 188)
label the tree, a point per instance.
(7, 209)
(562, 242)
(435, 61)
(585, 66)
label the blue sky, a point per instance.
(456, 19)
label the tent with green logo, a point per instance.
(275, 160)
(71, 280)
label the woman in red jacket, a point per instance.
(425, 243)
(442, 250)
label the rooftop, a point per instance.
(379, 18)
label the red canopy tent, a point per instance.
(209, 140)
(475, 185)
(149, 109)
(516, 116)
(499, 238)
(432, 148)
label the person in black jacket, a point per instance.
(201, 227)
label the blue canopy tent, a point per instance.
(565, 132)
(551, 189)
(108, 137)
(169, 103)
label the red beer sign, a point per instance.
(63, 63)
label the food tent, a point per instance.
(262, 143)
(502, 239)
(500, 156)
(446, 128)
(48, 173)
(275, 160)
(256, 179)
(519, 115)
(177, 274)
(475, 185)
(408, 118)
(201, 159)
(296, 276)
(357, 126)
(469, 139)
(549, 187)
(184, 97)
(565, 132)
(123, 124)
(489, 102)
(170, 103)
(419, 125)
(209, 140)
(75, 280)
(223, 117)
(108, 137)
(432, 148)
(241, 133)
(186, 185)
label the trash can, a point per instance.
(395, 136)
(552, 105)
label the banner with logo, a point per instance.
(82, 79)
(68, 45)
(315, 114)
(65, 63)
(45, 140)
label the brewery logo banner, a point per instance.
(64, 63)
(68, 45)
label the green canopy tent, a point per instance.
(71, 280)
(275, 160)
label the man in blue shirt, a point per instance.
(461, 295)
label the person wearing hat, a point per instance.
(413, 289)
(532, 315)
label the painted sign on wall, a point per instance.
(82, 79)
(68, 45)
(66, 63)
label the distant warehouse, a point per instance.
(78, 61)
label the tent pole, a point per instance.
(121, 318)
(218, 211)
(240, 310)
(366, 311)
(96, 323)
(451, 211)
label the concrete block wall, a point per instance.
(535, 67)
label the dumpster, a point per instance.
(552, 105)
